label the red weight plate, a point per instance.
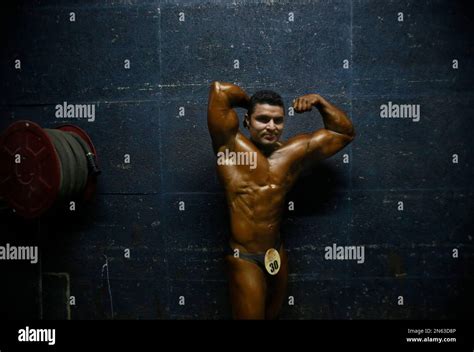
(92, 181)
(30, 173)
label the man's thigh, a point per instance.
(247, 289)
(277, 289)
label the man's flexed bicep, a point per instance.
(304, 151)
(222, 120)
(325, 142)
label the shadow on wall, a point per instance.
(315, 189)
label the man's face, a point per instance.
(266, 124)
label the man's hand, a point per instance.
(305, 102)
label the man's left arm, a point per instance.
(325, 142)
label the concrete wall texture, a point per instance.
(403, 189)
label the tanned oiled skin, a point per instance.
(256, 196)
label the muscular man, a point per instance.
(257, 262)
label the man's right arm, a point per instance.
(222, 120)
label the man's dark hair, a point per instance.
(264, 97)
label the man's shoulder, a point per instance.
(291, 148)
(295, 141)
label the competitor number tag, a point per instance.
(272, 261)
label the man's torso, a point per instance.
(256, 194)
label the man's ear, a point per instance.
(246, 121)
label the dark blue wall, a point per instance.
(179, 253)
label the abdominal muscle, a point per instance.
(254, 229)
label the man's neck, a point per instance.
(267, 150)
